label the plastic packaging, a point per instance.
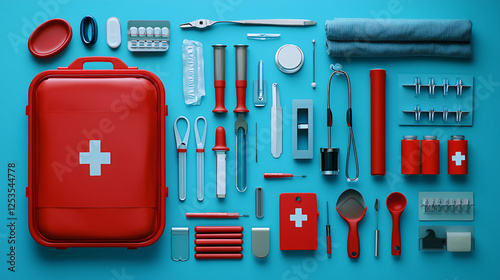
(193, 72)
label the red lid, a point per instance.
(50, 38)
(220, 140)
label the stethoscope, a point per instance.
(337, 69)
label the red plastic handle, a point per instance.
(219, 256)
(329, 245)
(213, 249)
(201, 229)
(353, 240)
(218, 241)
(277, 175)
(220, 140)
(241, 95)
(117, 63)
(220, 86)
(396, 234)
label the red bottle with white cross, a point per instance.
(458, 155)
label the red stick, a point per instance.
(218, 235)
(377, 121)
(218, 256)
(277, 175)
(213, 249)
(209, 215)
(218, 241)
(212, 229)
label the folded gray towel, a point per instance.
(383, 49)
(367, 30)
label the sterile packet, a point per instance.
(193, 72)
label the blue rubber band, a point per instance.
(84, 25)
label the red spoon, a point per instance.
(396, 203)
(351, 207)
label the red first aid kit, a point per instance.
(298, 221)
(96, 156)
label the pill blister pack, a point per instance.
(444, 100)
(148, 35)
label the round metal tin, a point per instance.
(289, 59)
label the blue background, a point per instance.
(19, 67)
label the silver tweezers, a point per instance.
(203, 23)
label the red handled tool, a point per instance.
(215, 215)
(328, 233)
(351, 207)
(219, 77)
(218, 235)
(218, 256)
(281, 175)
(214, 249)
(377, 121)
(396, 203)
(220, 241)
(220, 150)
(241, 126)
(216, 229)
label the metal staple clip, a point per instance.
(432, 86)
(451, 205)
(418, 112)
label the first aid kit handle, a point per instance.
(117, 63)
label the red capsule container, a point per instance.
(410, 155)
(429, 154)
(458, 155)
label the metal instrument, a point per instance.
(262, 36)
(313, 84)
(203, 23)
(276, 124)
(329, 156)
(241, 126)
(377, 232)
(181, 145)
(200, 158)
(220, 150)
(259, 88)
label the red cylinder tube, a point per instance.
(410, 155)
(377, 87)
(217, 229)
(429, 153)
(218, 256)
(458, 155)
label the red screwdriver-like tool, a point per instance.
(281, 175)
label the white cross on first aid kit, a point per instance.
(298, 217)
(95, 158)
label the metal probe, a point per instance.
(313, 84)
(376, 230)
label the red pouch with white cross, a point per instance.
(298, 221)
(96, 156)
